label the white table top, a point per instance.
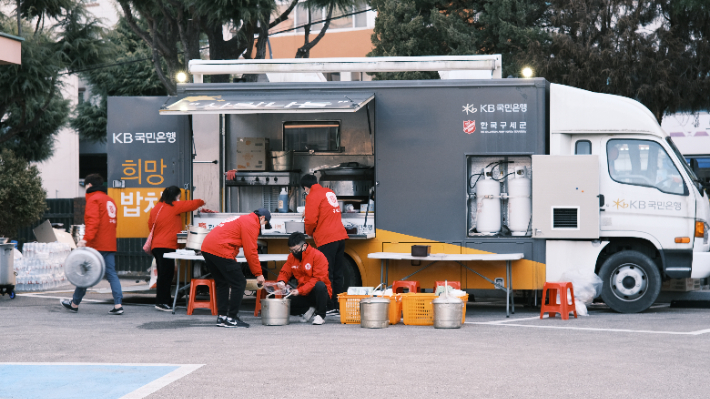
(240, 257)
(445, 257)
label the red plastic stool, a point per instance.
(194, 304)
(563, 308)
(399, 286)
(455, 284)
(261, 294)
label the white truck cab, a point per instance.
(652, 215)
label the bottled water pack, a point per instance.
(40, 267)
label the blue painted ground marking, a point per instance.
(77, 381)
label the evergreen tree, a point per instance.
(464, 27)
(129, 72)
(21, 193)
(62, 38)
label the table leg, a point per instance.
(382, 271)
(387, 272)
(507, 289)
(512, 294)
(177, 284)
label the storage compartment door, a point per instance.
(565, 196)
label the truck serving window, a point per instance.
(312, 136)
(643, 163)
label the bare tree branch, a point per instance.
(284, 15)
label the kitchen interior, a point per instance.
(272, 151)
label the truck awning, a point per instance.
(266, 102)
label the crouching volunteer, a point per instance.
(323, 222)
(220, 248)
(310, 267)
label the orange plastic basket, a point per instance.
(350, 308)
(418, 310)
(395, 309)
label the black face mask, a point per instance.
(299, 255)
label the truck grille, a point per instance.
(565, 218)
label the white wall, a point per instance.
(60, 173)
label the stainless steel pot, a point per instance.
(448, 311)
(348, 180)
(195, 236)
(282, 160)
(374, 312)
(7, 260)
(77, 232)
(275, 311)
(294, 226)
(84, 267)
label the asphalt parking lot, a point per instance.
(657, 354)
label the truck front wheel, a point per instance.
(631, 282)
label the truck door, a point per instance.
(644, 192)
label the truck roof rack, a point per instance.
(448, 63)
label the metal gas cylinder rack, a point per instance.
(498, 195)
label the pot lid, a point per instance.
(448, 299)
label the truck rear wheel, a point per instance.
(351, 274)
(631, 282)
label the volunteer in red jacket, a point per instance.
(220, 248)
(310, 267)
(166, 217)
(324, 224)
(99, 234)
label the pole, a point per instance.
(19, 23)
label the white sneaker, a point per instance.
(318, 320)
(307, 316)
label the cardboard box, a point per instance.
(682, 284)
(252, 153)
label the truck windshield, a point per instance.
(687, 168)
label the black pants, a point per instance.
(318, 298)
(226, 274)
(166, 272)
(335, 253)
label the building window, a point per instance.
(341, 19)
(312, 136)
(81, 95)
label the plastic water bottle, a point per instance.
(283, 200)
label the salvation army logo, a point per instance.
(111, 209)
(332, 199)
(308, 266)
(469, 127)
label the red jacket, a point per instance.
(169, 222)
(312, 269)
(323, 220)
(100, 222)
(240, 232)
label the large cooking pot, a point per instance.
(77, 231)
(448, 311)
(275, 311)
(374, 312)
(349, 179)
(195, 236)
(7, 259)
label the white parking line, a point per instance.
(699, 332)
(153, 386)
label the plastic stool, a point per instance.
(399, 286)
(261, 294)
(455, 284)
(194, 304)
(563, 308)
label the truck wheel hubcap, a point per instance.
(628, 282)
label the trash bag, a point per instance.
(587, 286)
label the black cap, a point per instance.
(264, 212)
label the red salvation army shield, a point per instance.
(469, 127)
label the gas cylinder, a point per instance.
(519, 202)
(488, 217)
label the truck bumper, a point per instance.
(701, 265)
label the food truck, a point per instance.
(572, 179)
